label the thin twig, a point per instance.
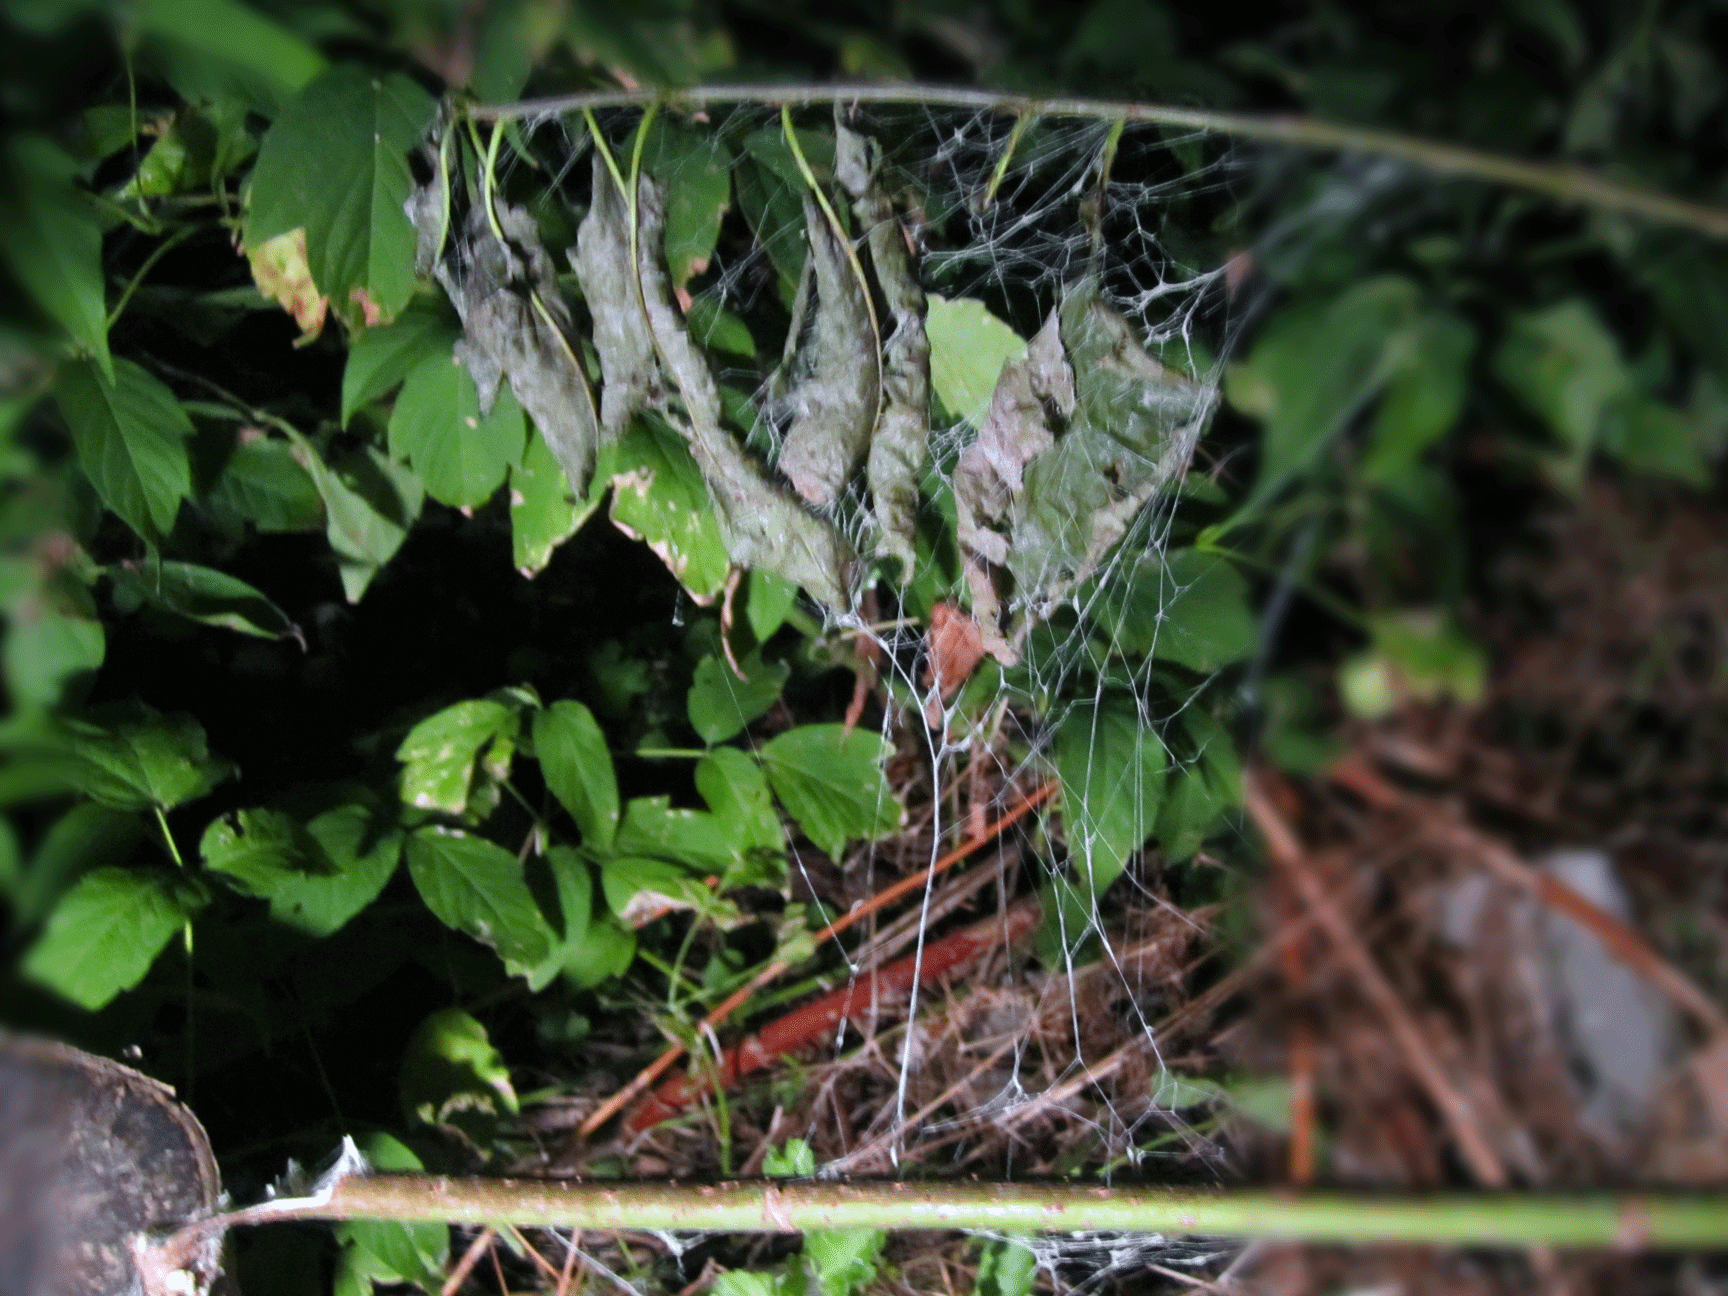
(470, 1258)
(659, 1066)
(1287, 852)
(1557, 180)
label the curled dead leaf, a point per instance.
(279, 269)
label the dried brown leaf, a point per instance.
(601, 259)
(833, 403)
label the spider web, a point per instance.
(1011, 213)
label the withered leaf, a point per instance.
(990, 473)
(515, 323)
(764, 527)
(900, 443)
(833, 404)
(601, 259)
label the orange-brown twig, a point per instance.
(675, 1050)
(819, 1017)
(1287, 853)
(470, 1258)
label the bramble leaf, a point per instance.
(578, 769)
(833, 783)
(131, 438)
(107, 931)
(477, 887)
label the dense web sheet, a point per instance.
(1050, 617)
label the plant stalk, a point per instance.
(1578, 1220)
(1556, 179)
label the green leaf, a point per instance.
(381, 357)
(45, 648)
(11, 860)
(968, 347)
(577, 768)
(696, 172)
(637, 889)
(574, 882)
(844, 1260)
(440, 753)
(607, 950)
(659, 497)
(477, 888)
(715, 328)
(1184, 607)
(369, 504)
(767, 602)
(461, 455)
(833, 783)
(336, 162)
(85, 838)
(452, 1075)
(1318, 364)
(505, 53)
(200, 594)
(1112, 766)
(1647, 437)
(1205, 786)
(131, 757)
(1567, 369)
(795, 1160)
(107, 931)
(316, 876)
(733, 785)
(1423, 398)
(237, 35)
(1006, 1268)
(720, 704)
(53, 244)
(545, 509)
(386, 1251)
(131, 440)
(653, 829)
(264, 483)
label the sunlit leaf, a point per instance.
(107, 931)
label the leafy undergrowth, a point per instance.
(890, 637)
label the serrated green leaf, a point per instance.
(264, 483)
(833, 783)
(85, 838)
(659, 497)
(131, 439)
(201, 594)
(384, 1250)
(370, 501)
(696, 172)
(736, 790)
(132, 757)
(249, 44)
(1184, 607)
(440, 753)
(843, 1260)
(545, 510)
(1112, 766)
(720, 704)
(53, 244)
(316, 875)
(45, 648)
(1207, 783)
(381, 357)
(577, 768)
(968, 347)
(336, 162)
(461, 455)
(107, 931)
(477, 887)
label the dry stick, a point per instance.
(1287, 853)
(658, 1067)
(1596, 1220)
(1557, 180)
(470, 1258)
(1620, 940)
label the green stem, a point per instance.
(1593, 1220)
(668, 753)
(1558, 180)
(168, 838)
(160, 250)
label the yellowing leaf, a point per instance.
(280, 271)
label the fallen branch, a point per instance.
(1563, 181)
(659, 1066)
(1594, 1220)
